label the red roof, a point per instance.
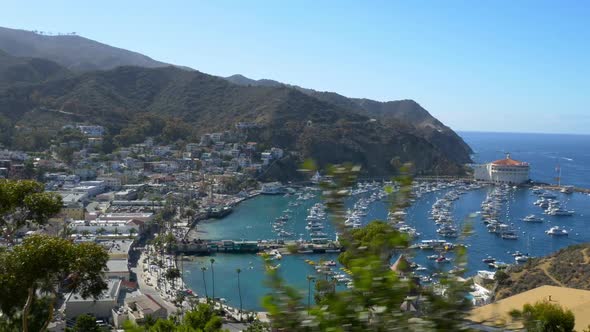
(509, 162)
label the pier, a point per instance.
(248, 247)
(574, 189)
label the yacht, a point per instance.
(488, 260)
(567, 190)
(509, 235)
(547, 195)
(521, 258)
(498, 265)
(447, 231)
(442, 259)
(556, 231)
(532, 218)
(559, 212)
(282, 218)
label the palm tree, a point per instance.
(203, 269)
(189, 215)
(238, 271)
(132, 232)
(101, 231)
(171, 275)
(309, 279)
(212, 260)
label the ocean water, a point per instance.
(252, 219)
(543, 151)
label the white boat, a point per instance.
(547, 195)
(521, 258)
(560, 212)
(532, 218)
(556, 231)
(488, 260)
(567, 189)
(509, 235)
(442, 259)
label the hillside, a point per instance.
(133, 102)
(73, 52)
(16, 70)
(569, 267)
(401, 112)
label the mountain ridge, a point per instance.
(194, 103)
(71, 51)
(406, 110)
(156, 99)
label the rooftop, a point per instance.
(117, 265)
(509, 162)
(144, 302)
(112, 293)
(118, 247)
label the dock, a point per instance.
(574, 189)
(247, 247)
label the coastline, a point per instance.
(233, 202)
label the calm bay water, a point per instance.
(252, 219)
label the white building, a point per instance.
(110, 182)
(92, 131)
(272, 188)
(76, 305)
(137, 309)
(502, 171)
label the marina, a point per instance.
(441, 209)
(438, 214)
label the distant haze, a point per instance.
(493, 66)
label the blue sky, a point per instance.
(520, 66)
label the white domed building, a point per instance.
(503, 171)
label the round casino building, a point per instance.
(503, 171)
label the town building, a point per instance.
(110, 182)
(92, 131)
(101, 308)
(272, 188)
(137, 309)
(502, 171)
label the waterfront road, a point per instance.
(147, 289)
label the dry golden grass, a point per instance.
(497, 313)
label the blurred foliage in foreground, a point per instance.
(201, 318)
(379, 299)
(545, 316)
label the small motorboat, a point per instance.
(556, 231)
(488, 260)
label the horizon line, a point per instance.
(517, 132)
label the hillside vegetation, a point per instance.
(569, 267)
(134, 102)
(407, 113)
(18, 71)
(47, 82)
